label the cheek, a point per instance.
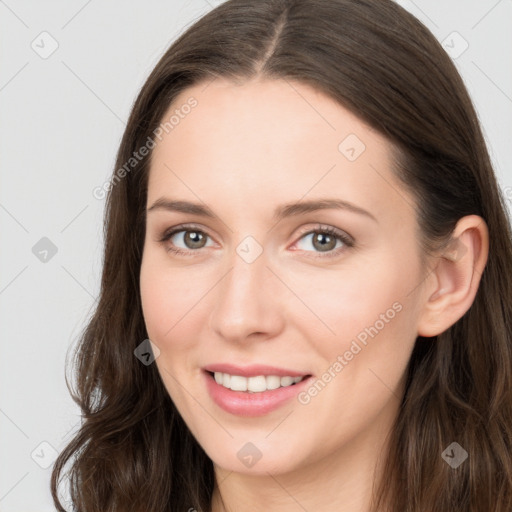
(367, 328)
(156, 301)
(344, 302)
(336, 305)
(167, 305)
(164, 300)
(174, 302)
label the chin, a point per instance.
(254, 458)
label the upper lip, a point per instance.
(252, 370)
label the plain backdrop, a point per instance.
(70, 72)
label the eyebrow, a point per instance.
(281, 212)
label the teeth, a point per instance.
(254, 384)
(238, 383)
(273, 381)
(286, 381)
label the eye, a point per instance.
(327, 241)
(191, 237)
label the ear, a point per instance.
(451, 287)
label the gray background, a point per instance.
(62, 119)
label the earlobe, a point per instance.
(453, 284)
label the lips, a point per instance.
(253, 370)
(252, 390)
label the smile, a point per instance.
(255, 394)
(256, 384)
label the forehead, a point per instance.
(276, 140)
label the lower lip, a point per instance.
(243, 403)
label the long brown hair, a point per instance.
(133, 451)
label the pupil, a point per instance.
(194, 238)
(324, 240)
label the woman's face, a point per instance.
(261, 293)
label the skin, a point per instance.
(243, 151)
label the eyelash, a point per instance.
(347, 241)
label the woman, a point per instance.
(305, 223)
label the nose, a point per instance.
(246, 302)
